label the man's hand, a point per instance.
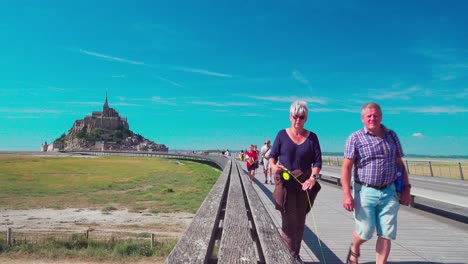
(405, 197)
(348, 202)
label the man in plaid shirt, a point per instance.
(375, 152)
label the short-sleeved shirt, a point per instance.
(266, 151)
(251, 154)
(293, 156)
(374, 158)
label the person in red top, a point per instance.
(251, 157)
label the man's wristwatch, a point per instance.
(407, 186)
(315, 176)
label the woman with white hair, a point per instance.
(296, 149)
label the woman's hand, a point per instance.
(276, 169)
(308, 184)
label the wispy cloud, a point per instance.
(218, 104)
(183, 69)
(448, 78)
(438, 109)
(112, 104)
(168, 81)
(154, 99)
(324, 110)
(440, 54)
(418, 135)
(125, 104)
(463, 94)
(394, 93)
(447, 64)
(119, 76)
(151, 28)
(83, 103)
(201, 71)
(300, 77)
(29, 111)
(456, 66)
(252, 115)
(111, 58)
(290, 99)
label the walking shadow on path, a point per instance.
(320, 250)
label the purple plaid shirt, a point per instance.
(374, 157)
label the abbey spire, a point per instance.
(105, 109)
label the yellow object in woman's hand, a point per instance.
(286, 176)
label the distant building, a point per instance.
(102, 131)
(55, 146)
(107, 119)
(44, 146)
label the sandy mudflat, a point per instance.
(5, 260)
(74, 220)
(82, 219)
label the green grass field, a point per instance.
(136, 183)
(105, 183)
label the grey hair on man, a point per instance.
(371, 105)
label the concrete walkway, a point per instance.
(422, 237)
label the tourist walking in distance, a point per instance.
(296, 149)
(256, 161)
(265, 155)
(251, 159)
(241, 155)
(376, 154)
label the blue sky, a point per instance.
(222, 74)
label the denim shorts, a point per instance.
(376, 210)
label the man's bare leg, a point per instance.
(382, 250)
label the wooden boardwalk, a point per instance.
(422, 237)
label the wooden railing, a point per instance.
(231, 226)
(211, 159)
(444, 197)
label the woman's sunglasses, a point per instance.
(298, 117)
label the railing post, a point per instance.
(9, 236)
(407, 167)
(430, 169)
(461, 171)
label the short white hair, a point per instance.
(299, 108)
(372, 105)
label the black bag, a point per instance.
(280, 192)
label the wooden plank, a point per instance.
(272, 246)
(194, 245)
(236, 245)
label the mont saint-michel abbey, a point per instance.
(108, 119)
(102, 131)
